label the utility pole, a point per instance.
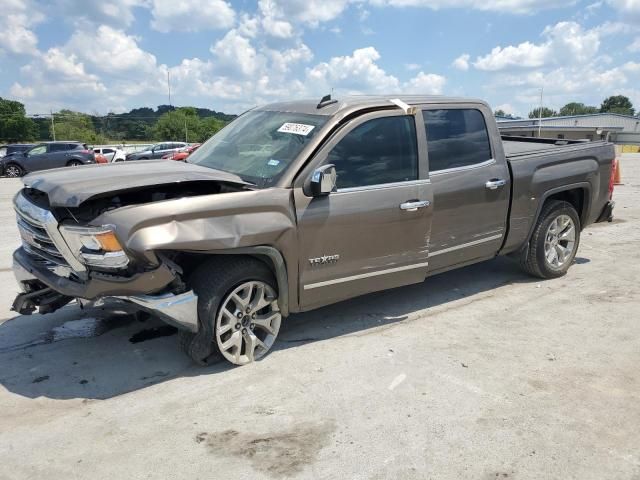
(540, 113)
(186, 135)
(53, 126)
(169, 85)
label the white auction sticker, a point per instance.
(296, 128)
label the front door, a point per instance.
(470, 182)
(37, 158)
(372, 233)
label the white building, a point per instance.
(622, 129)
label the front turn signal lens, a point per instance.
(108, 241)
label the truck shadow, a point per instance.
(99, 355)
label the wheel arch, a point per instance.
(271, 256)
(577, 194)
(14, 163)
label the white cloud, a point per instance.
(631, 7)
(352, 73)
(18, 18)
(507, 108)
(111, 51)
(61, 81)
(21, 92)
(310, 12)
(462, 62)
(113, 12)
(236, 54)
(502, 6)
(425, 83)
(412, 66)
(565, 42)
(191, 15)
(635, 46)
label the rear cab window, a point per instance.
(456, 138)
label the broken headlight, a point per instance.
(95, 246)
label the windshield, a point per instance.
(259, 145)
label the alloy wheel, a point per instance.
(13, 171)
(560, 241)
(248, 322)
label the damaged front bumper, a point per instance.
(46, 287)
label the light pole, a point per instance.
(540, 114)
(53, 127)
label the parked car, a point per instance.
(158, 150)
(182, 154)
(113, 154)
(14, 148)
(45, 156)
(298, 205)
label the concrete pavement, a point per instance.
(481, 373)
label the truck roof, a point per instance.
(358, 102)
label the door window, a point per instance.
(456, 138)
(39, 150)
(383, 150)
(58, 147)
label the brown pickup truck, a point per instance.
(297, 205)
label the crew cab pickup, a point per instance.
(298, 205)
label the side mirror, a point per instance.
(323, 181)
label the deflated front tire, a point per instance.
(238, 310)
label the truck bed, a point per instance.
(517, 147)
(541, 166)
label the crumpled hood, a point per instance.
(70, 186)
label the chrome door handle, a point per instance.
(495, 184)
(413, 206)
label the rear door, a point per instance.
(59, 154)
(471, 185)
(371, 234)
(162, 150)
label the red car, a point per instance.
(183, 153)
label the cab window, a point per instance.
(456, 138)
(380, 151)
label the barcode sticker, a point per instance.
(296, 128)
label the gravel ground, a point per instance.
(481, 373)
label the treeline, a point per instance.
(615, 104)
(138, 125)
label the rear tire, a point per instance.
(74, 163)
(555, 240)
(13, 171)
(238, 315)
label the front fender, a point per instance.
(210, 224)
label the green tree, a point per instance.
(546, 112)
(14, 125)
(71, 125)
(182, 124)
(210, 126)
(617, 104)
(575, 108)
(499, 113)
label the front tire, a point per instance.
(238, 314)
(555, 240)
(13, 171)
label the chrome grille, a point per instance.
(36, 240)
(40, 235)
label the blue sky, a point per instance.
(102, 56)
